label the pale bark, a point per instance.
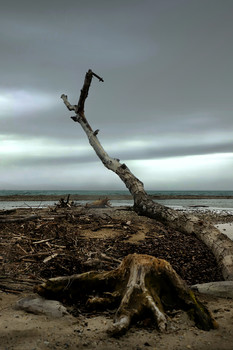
(219, 244)
(99, 203)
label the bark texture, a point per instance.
(141, 287)
(219, 244)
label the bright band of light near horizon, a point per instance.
(165, 107)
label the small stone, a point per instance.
(78, 330)
(52, 308)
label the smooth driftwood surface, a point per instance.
(219, 244)
(99, 203)
(141, 287)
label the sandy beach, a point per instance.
(226, 228)
(68, 240)
(25, 331)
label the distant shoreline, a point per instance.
(76, 197)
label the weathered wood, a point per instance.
(19, 219)
(64, 203)
(219, 244)
(8, 211)
(141, 287)
(100, 203)
(221, 289)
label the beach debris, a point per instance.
(99, 260)
(222, 289)
(100, 203)
(23, 218)
(65, 203)
(76, 240)
(50, 257)
(142, 286)
(198, 206)
(8, 211)
(35, 305)
(221, 247)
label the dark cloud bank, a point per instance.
(167, 67)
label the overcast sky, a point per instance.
(165, 107)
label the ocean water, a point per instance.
(203, 204)
(112, 192)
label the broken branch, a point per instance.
(221, 246)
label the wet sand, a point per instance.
(94, 197)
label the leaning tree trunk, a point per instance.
(219, 244)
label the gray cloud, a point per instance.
(167, 67)
(128, 154)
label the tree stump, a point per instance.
(141, 287)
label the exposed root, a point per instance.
(141, 286)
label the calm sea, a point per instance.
(211, 203)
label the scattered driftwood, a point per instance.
(8, 211)
(141, 287)
(100, 203)
(19, 219)
(100, 260)
(65, 203)
(51, 308)
(84, 240)
(220, 245)
(8, 289)
(16, 285)
(221, 289)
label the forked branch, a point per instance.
(220, 245)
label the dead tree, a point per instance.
(141, 287)
(219, 244)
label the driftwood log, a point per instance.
(65, 203)
(219, 244)
(99, 203)
(24, 218)
(141, 287)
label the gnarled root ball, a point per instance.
(141, 287)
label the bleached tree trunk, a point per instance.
(219, 244)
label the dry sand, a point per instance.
(227, 229)
(24, 331)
